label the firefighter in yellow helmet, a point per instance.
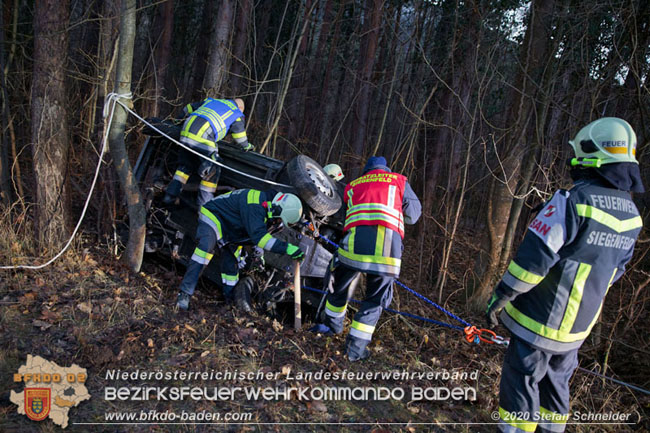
(553, 291)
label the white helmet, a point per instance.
(290, 207)
(334, 171)
(604, 141)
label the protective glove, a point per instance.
(494, 306)
(248, 148)
(206, 168)
(295, 252)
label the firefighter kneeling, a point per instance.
(378, 205)
(232, 219)
(553, 290)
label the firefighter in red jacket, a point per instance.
(379, 203)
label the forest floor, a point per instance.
(87, 309)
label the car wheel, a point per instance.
(314, 186)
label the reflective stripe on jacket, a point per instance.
(240, 217)
(573, 251)
(376, 199)
(210, 122)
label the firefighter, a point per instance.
(553, 291)
(234, 218)
(207, 122)
(379, 203)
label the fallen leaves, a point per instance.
(85, 307)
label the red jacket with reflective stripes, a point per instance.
(376, 199)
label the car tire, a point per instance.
(314, 186)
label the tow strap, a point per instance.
(472, 334)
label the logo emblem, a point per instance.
(549, 211)
(37, 403)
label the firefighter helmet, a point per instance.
(334, 171)
(604, 141)
(287, 207)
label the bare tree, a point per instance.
(137, 215)
(50, 141)
(219, 55)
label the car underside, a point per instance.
(266, 279)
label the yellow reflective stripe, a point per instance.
(374, 206)
(611, 279)
(527, 426)
(214, 219)
(379, 246)
(210, 184)
(226, 115)
(333, 308)
(554, 417)
(212, 115)
(362, 327)
(230, 277)
(575, 297)
(265, 240)
(238, 134)
(238, 251)
(391, 261)
(375, 216)
(181, 174)
(545, 331)
(203, 254)
(609, 220)
(198, 138)
(188, 108)
(523, 274)
(253, 197)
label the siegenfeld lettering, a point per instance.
(610, 240)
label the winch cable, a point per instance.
(109, 107)
(472, 334)
(178, 143)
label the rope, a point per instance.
(401, 313)
(270, 182)
(424, 298)
(110, 100)
(620, 382)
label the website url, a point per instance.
(171, 416)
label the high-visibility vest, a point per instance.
(220, 113)
(376, 199)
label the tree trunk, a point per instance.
(5, 187)
(137, 215)
(366, 63)
(50, 141)
(535, 52)
(163, 54)
(239, 46)
(217, 68)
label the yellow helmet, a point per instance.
(604, 141)
(334, 171)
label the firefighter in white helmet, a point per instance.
(232, 219)
(553, 291)
(334, 171)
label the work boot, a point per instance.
(320, 328)
(355, 349)
(183, 301)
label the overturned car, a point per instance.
(266, 280)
